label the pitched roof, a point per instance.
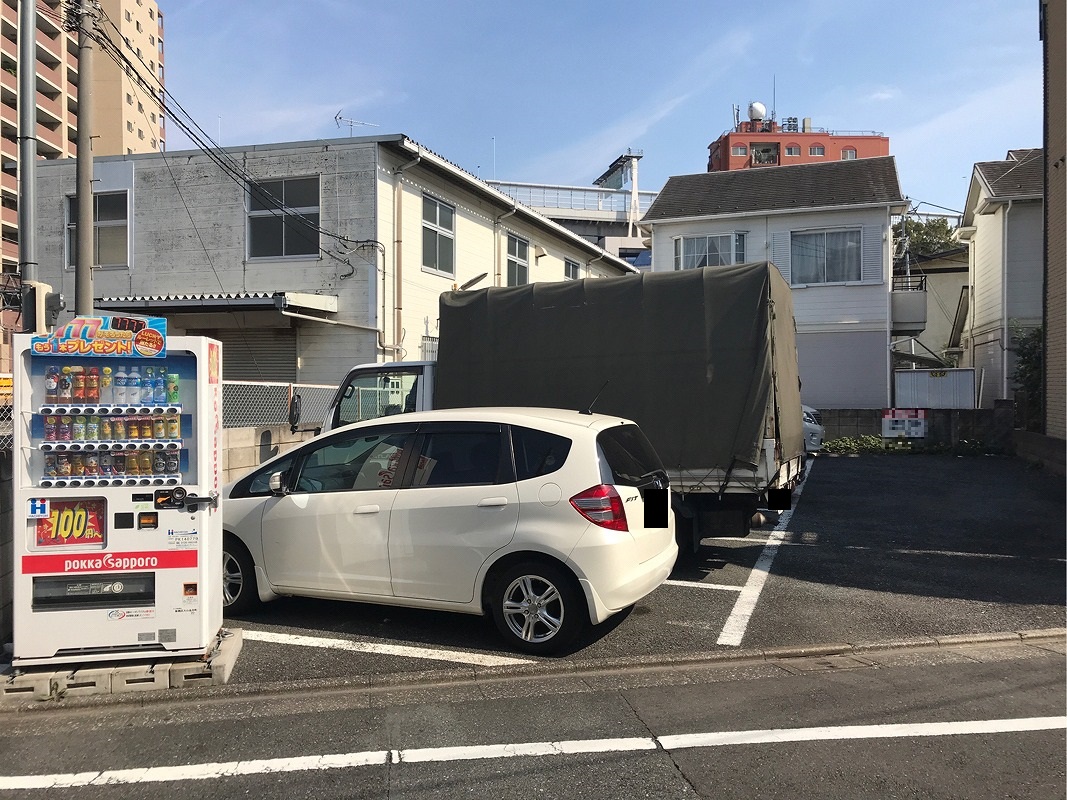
(767, 189)
(1021, 174)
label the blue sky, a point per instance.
(553, 91)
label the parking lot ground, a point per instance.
(876, 549)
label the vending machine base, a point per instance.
(55, 682)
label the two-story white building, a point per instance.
(1003, 223)
(828, 228)
(303, 258)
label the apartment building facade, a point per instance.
(760, 141)
(127, 116)
(323, 255)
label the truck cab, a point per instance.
(370, 391)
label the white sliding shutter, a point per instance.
(872, 267)
(780, 253)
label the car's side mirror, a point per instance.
(277, 484)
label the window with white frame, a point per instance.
(572, 270)
(848, 154)
(739, 150)
(792, 149)
(833, 256)
(283, 218)
(518, 261)
(816, 150)
(110, 230)
(438, 236)
(693, 252)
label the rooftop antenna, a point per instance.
(351, 122)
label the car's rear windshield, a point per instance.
(628, 458)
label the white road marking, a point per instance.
(437, 755)
(698, 585)
(455, 656)
(736, 624)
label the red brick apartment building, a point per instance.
(762, 142)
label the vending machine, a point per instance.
(117, 524)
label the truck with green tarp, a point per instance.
(704, 360)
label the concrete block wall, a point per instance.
(243, 449)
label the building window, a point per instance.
(816, 150)
(792, 150)
(739, 150)
(825, 257)
(283, 218)
(129, 126)
(139, 26)
(140, 106)
(129, 16)
(109, 230)
(848, 154)
(572, 270)
(518, 261)
(693, 252)
(438, 236)
(129, 99)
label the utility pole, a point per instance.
(83, 267)
(27, 168)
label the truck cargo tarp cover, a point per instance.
(694, 357)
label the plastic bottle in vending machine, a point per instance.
(133, 385)
(173, 388)
(120, 385)
(51, 385)
(65, 388)
(92, 385)
(144, 462)
(107, 386)
(77, 381)
(159, 387)
(148, 386)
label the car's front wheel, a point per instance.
(239, 592)
(538, 607)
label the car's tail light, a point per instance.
(602, 506)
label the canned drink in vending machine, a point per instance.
(173, 462)
(118, 463)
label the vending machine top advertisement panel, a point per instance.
(106, 337)
(117, 527)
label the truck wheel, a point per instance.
(239, 592)
(538, 607)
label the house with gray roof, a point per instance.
(828, 229)
(1003, 222)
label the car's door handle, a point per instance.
(491, 502)
(371, 509)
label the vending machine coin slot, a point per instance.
(147, 520)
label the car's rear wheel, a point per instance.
(239, 592)
(538, 607)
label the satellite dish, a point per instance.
(757, 111)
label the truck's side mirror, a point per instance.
(295, 406)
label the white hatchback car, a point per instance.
(544, 519)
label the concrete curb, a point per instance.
(472, 675)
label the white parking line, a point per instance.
(455, 656)
(428, 755)
(698, 585)
(736, 624)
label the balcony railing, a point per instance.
(576, 198)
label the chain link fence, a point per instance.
(244, 405)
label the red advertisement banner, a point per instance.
(108, 562)
(73, 522)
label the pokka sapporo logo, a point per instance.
(148, 342)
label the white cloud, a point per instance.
(601, 146)
(935, 158)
